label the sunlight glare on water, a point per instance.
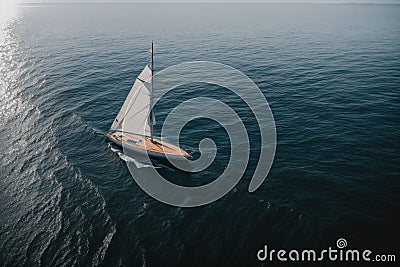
(8, 13)
(8, 10)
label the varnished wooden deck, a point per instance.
(145, 143)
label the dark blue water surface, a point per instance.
(331, 74)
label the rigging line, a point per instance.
(137, 91)
(152, 90)
(139, 111)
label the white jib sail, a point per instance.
(134, 114)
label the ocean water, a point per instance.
(330, 72)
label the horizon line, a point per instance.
(204, 1)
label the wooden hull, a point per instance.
(143, 145)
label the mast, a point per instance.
(152, 89)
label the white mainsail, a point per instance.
(134, 114)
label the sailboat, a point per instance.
(133, 128)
